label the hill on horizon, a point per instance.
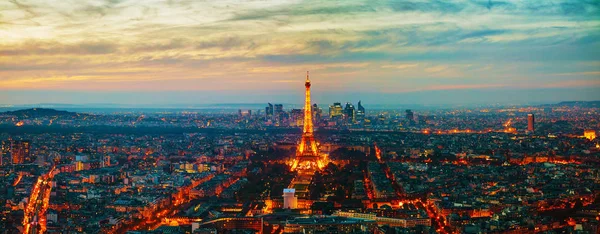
(39, 112)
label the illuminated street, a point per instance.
(34, 220)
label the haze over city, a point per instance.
(389, 52)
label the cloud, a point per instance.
(25, 7)
(357, 45)
(400, 66)
(586, 73)
(464, 86)
(574, 83)
(427, 6)
(224, 43)
(563, 7)
(172, 44)
(304, 10)
(53, 48)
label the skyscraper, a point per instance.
(269, 110)
(335, 110)
(20, 152)
(278, 109)
(530, 122)
(360, 112)
(349, 112)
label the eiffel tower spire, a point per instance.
(307, 154)
(308, 124)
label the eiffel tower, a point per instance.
(307, 159)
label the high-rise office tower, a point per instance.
(349, 112)
(278, 109)
(530, 122)
(335, 111)
(278, 113)
(269, 110)
(360, 111)
(20, 152)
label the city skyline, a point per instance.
(438, 171)
(397, 52)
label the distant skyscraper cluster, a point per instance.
(338, 115)
(275, 114)
(348, 114)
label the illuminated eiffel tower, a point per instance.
(308, 159)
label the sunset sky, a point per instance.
(408, 51)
